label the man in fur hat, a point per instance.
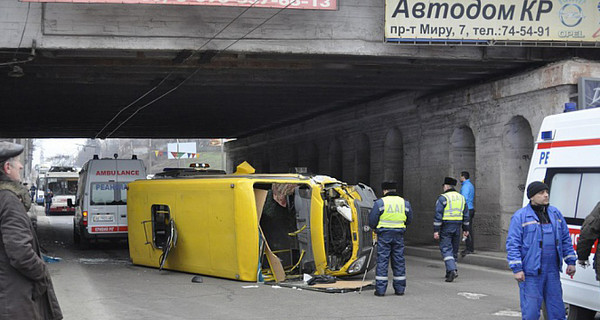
(389, 218)
(451, 212)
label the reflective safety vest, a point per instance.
(455, 205)
(394, 213)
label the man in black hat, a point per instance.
(537, 243)
(389, 218)
(451, 212)
(28, 292)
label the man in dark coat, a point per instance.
(590, 233)
(26, 290)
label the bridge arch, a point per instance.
(393, 158)
(517, 145)
(335, 159)
(462, 152)
(362, 159)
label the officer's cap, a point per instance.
(9, 150)
(450, 181)
(389, 185)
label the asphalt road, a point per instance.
(101, 283)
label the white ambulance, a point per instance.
(566, 156)
(101, 202)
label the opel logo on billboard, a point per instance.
(571, 15)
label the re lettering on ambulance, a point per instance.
(575, 238)
(118, 173)
(544, 156)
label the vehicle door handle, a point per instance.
(123, 216)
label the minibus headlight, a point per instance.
(357, 265)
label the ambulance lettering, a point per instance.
(118, 173)
(544, 156)
(575, 238)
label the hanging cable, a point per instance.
(22, 33)
(171, 73)
(198, 69)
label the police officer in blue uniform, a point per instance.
(389, 217)
(538, 241)
(451, 212)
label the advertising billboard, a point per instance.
(528, 21)
(288, 4)
(589, 93)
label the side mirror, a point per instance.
(70, 203)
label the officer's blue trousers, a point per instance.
(449, 244)
(544, 286)
(390, 243)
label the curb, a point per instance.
(479, 259)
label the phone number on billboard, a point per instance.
(463, 31)
(296, 4)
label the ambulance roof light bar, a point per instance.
(547, 135)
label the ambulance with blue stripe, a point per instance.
(101, 202)
(566, 157)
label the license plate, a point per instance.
(103, 218)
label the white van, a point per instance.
(566, 156)
(101, 202)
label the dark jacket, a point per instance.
(26, 290)
(590, 232)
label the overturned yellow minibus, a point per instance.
(250, 227)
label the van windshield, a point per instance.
(108, 193)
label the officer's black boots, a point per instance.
(450, 276)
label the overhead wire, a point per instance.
(23, 32)
(14, 59)
(187, 78)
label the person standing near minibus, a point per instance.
(389, 217)
(26, 291)
(451, 212)
(590, 233)
(468, 191)
(538, 241)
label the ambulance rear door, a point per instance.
(127, 171)
(104, 198)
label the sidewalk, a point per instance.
(491, 259)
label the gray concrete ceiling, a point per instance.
(76, 93)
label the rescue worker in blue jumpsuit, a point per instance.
(389, 217)
(537, 243)
(451, 212)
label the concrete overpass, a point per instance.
(296, 87)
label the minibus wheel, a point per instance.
(579, 313)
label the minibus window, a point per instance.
(563, 192)
(589, 194)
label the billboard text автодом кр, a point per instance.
(490, 20)
(289, 4)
